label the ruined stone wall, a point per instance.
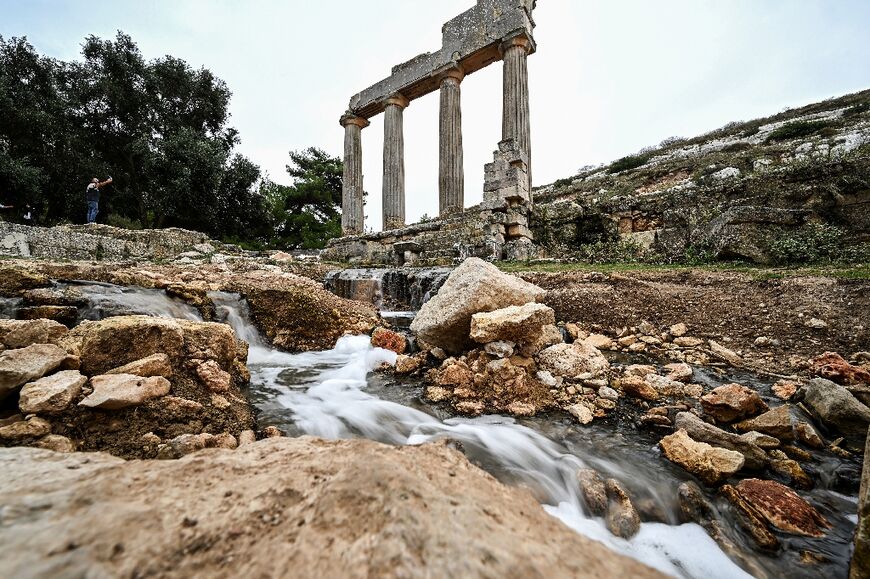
(101, 242)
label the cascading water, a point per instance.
(334, 394)
(388, 289)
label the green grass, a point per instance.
(841, 271)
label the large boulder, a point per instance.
(732, 402)
(573, 361)
(777, 423)
(51, 394)
(116, 391)
(23, 333)
(14, 280)
(473, 287)
(699, 430)
(837, 408)
(709, 463)
(389, 511)
(23, 365)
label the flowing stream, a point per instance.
(336, 394)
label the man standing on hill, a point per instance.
(92, 195)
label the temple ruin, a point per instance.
(491, 31)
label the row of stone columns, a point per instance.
(451, 175)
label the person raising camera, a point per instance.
(92, 195)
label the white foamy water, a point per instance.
(329, 400)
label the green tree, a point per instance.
(307, 213)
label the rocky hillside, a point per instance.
(787, 188)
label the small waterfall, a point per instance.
(405, 289)
(107, 300)
(8, 307)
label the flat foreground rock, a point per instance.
(302, 507)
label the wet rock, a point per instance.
(23, 365)
(697, 429)
(155, 365)
(372, 492)
(581, 412)
(112, 392)
(517, 324)
(409, 364)
(66, 315)
(785, 389)
(861, 558)
(732, 402)
(808, 435)
(835, 368)
(23, 333)
(637, 387)
(751, 519)
(32, 427)
(777, 423)
(709, 463)
(51, 394)
(389, 340)
(622, 518)
(782, 507)
(69, 296)
(836, 407)
(723, 353)
(573, 361)
(679, 372)
(761, 440)
(213, 376)
(475, 286)
(56, 443)
(781, 464)
(15, 280)
(593, 490)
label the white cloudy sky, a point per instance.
(610, 76)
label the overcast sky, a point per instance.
(609, 77)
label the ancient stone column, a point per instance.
(451, 176)
(394, 163)
(352, 211)
(515, 119)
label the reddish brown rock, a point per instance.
(835, 368)
(782, 507)
(785, 389)
(389, 340)
(732, 402)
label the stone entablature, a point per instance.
(492, 30)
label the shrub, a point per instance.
(858, 109)
(628, 163)
(562, 183)
(814, 243)
(620, 251)
(122, 222)
(797, 130)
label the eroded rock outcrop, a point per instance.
(390, 511)
(709, 463)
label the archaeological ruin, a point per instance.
(492, 31)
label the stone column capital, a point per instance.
(451, 71)
(520, 40)
(397, 99)
(350, 118)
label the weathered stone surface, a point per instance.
(680, 372)
(23, 365)
(637, 387)
(33, 427)
(725, 354)
(688, 342)
(359, 487)
(785, 389)
(593, 490)
(500, 349)
(154, 365)
(836, 407)
(474, 287)
(708, 463)
(781, 464)
(581, 412)
(861, 558)
(15, 280)
(622, 518)
(66, 315)
(808, 435)
(599, 341)
(732, 402)
(409, 364)
(514, 324)
(678, 330)
(782, 507)
(699, 430)
(835, 368)
(777, 423)
(389, 340)
(23, 333)
(213, 377)
(573, 360)
(51, 394)
(751, 519)
(112, 392)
